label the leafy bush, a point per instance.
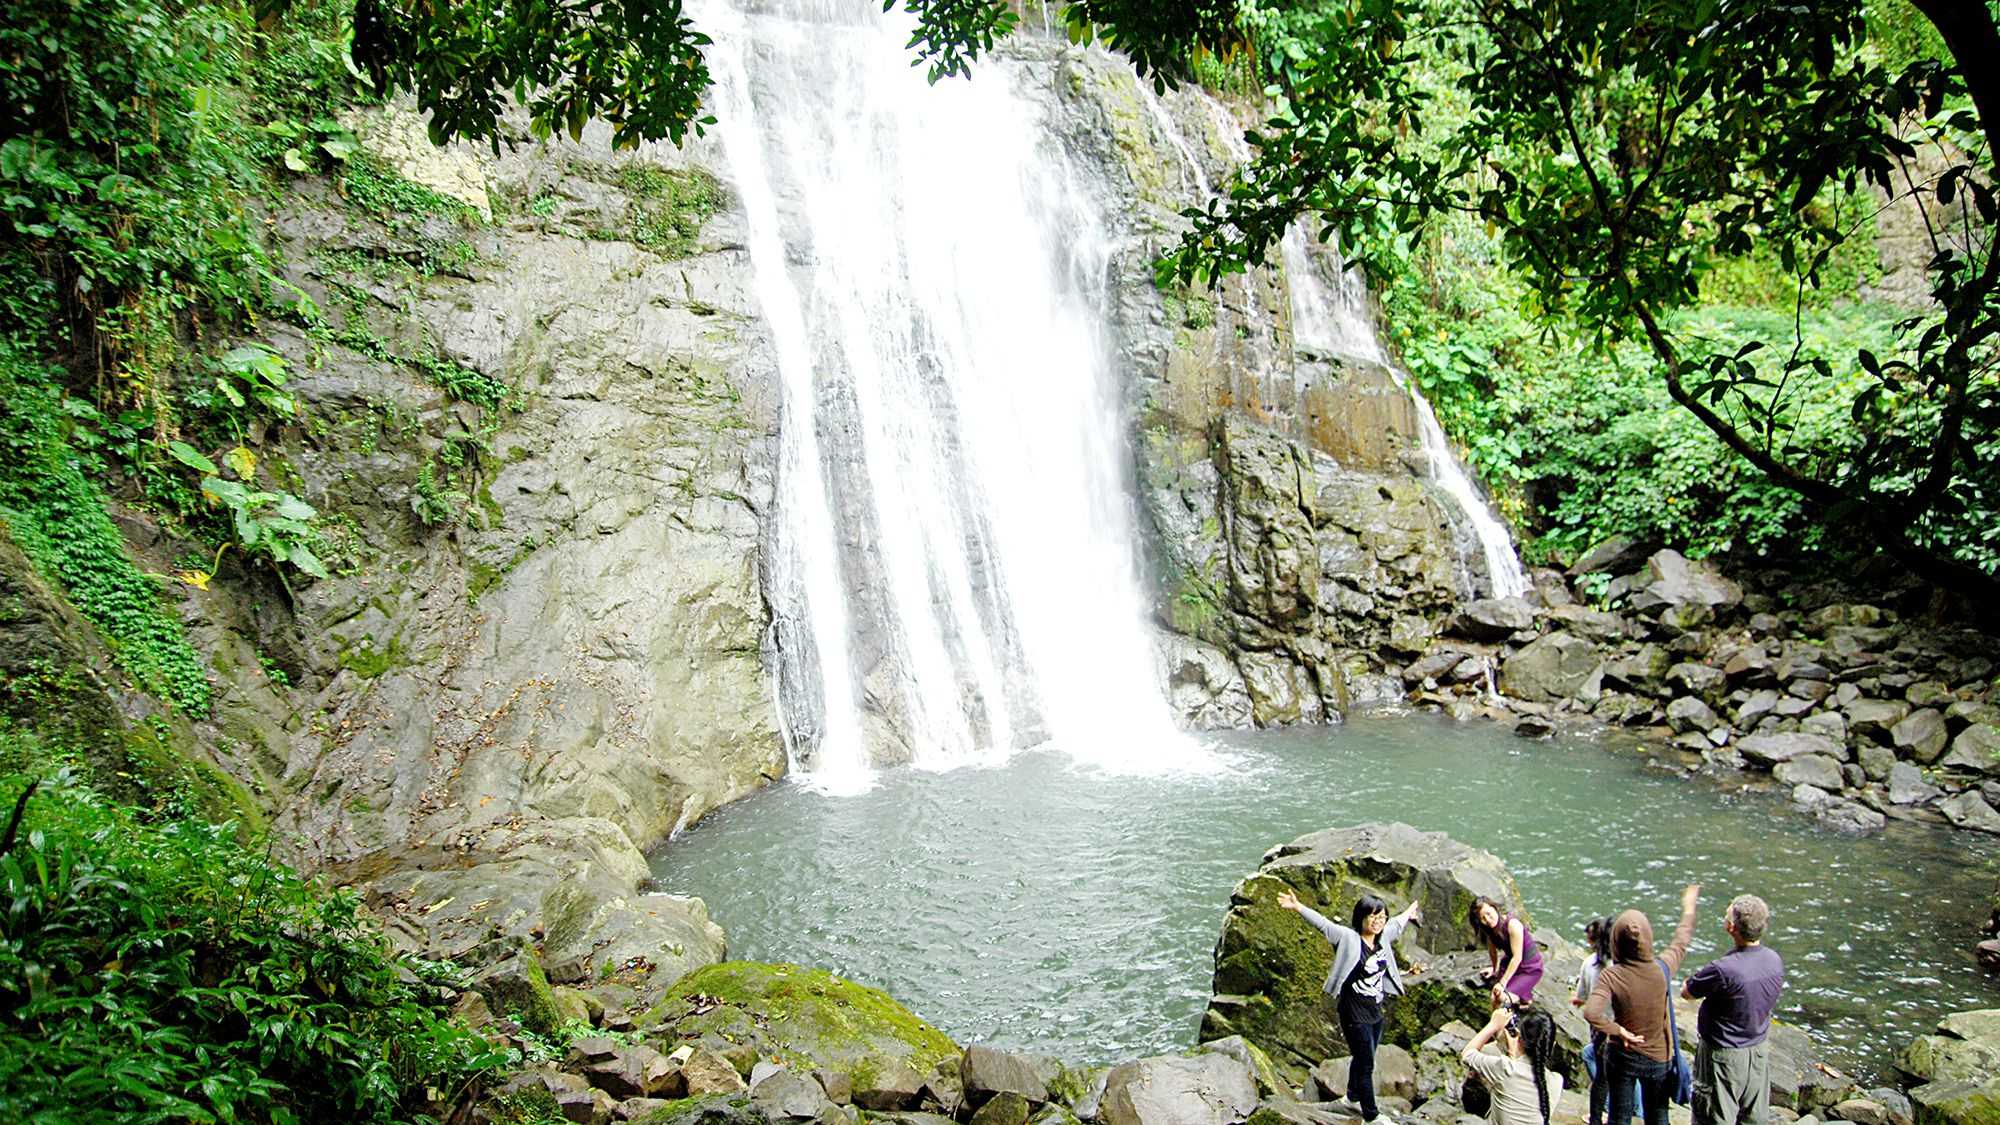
(54, 510)
(167, 972)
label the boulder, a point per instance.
(808, 1019)
(1838, 813)
(1907, 785)
(1440, 1070)
(1269, 964)
(1861, 1111)
(1975, 750)
(1616, 555)
(1875, 718)
(1553, 668)
(706, 1072)
(1920, 734)
(889, 1086)
(1206, 1089)
(1643, 671)
(1878, 763)
(1980, 1025)
(1395, 1075)
(1966, 1101)
(1752, 710)
(1817, 770)
(1003, 1109)
(1770, 749)
(1829, 724)
(1493, 619)
(1670, 579)
(1270, 1084)
(1698, 679)
(1591, 624)
(635, 1071)
(1687, 713)
(987, 1071)
(1798, 1081)
(784, 1095)
(1970, 810)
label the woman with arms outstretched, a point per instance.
(1363, 977)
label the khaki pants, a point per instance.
(1732, 1085)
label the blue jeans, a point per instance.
(1600, 1080)
(1638, 1081)
(1362, 1039)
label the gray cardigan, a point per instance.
(1347, 949)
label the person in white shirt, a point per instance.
(1522, 1085)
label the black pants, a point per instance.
(1654, 1078)
(1362, 1039)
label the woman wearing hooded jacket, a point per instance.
(1363, 977)
(1629, 1005)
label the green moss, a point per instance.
(365, 660)
(805, 1017)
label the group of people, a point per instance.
(1624, 990)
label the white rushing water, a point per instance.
(1333, 320)
(955, 576)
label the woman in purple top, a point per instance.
(1514, 979)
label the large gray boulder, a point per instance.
(1493, 619)
(1770, 749)
(1205, 1089)
(1670, 579)
(1975, 750)
(1552, 668)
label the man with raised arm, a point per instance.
(1630, 1004)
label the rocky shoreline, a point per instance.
(1863, 714)
(749, 1043)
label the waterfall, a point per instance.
(954, 575)
(1337, 323)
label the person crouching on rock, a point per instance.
(1631, 1006)
(1364, 975)
(1520, 1082)
(1515, 961)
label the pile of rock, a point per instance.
(1955, 1074)
(1863, 716)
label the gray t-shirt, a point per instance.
(1738, 992)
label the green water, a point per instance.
(1046, 906)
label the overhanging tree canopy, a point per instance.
(1618, 150)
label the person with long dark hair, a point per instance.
(1364, 976)
(1521, 1082)
(1513, 978)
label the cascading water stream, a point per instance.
(1338, 324)
(954, 576)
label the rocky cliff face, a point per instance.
(539, 411)
(1296, 548)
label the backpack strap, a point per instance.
(1673, 1027)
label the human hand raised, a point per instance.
(1288, 900)
(1689, 895)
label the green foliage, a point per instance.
(165, 971)
(54, 510)
(669, 206)
(121, 187)
(1630, 162)
(435, 505)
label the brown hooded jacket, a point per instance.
(1631, 992)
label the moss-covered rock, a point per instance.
(805, 1018)
(1963, 1101)
(1270, 964)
